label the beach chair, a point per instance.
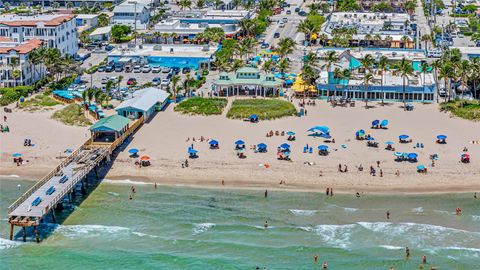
(63, 179)
(50, 191)
(305, 149)
(310, 150)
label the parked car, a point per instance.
(461, 35)
(128, 68)
(297, 9)
(276, 35)
(281, 24)
(165, 82)
(434, 53)
(175, 70)
(105, 80)
(186, 70)
(110, 68)
(118, 68)
(114, 79)
(131, 81)
(101, 68)
(156, 81)
(289, 12)
(264, 45)
(137, 69)
(166, 70)
(109, 47)
(146, 69)
(442, 92)
(156, 69)
(169, 76)
(285, 20)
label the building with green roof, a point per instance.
(110, 128)
(247, 81)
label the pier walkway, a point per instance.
(42, 198)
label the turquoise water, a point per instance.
(185, 228)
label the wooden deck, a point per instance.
(25, 213)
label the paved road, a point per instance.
(422, 24)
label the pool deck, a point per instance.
(167, 50)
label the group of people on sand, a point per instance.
(201, 139)
(4, 128)
(276, 133)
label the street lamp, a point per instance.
(91, 75)
(135, 18)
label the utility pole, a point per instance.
(135, 18)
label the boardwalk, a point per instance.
(41, 199)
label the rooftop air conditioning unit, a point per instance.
(157, 47)
(205, 48)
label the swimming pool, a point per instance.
(181, 62)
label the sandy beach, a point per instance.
(164, 139)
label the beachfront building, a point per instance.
(391, 30)
(145, 102)
(247, 81)
(55, 30)
(86, 21)
(109, 129)
(64, 3)
(386, 85)
(397, 5)
(132, 13)
(101, 34)
(15, 56)
(166, 55)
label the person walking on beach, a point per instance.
(378, 163)
(346, 168)
(331, 192)
(388, 214)
(328, 191)
(266, 193)
(475, 195)
(381, 173)
(340, 168)
(155, 185)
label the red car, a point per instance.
(131, 81)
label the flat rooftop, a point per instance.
(166, 50)
(47, 20)
(368, 17)
(389, 80)
(359, 53)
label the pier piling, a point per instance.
(36, 234)
(11, 231)
(24, 234)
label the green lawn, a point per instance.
(202, 106)
(72, 115)
(464, 109)
(39, 102)
(272, 108)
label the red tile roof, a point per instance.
(23, 48)
(5, 39)
(53, 22)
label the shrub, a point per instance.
(72, 115)
(10, 94)
(269, 108)
(202, 106)
(464, 109)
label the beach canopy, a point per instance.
(213, 142)
(375, 122)
(384, 123)
(389, 143)
(239, 142)
(133, 151)
(262, 146)
(290, 133)
(420, 167)
(16, 155)
(412, 155)
(323, 129)
(442, 137)
(398, 154)
(192, 151)
(145, 158)
(403, 137)
(370, 139)
(285, 146)
(325, 136)
(322, 147)
(253, 116)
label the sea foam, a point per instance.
(298, 212)
(125, 182)
(199, 228)
(5, 244)
(73, 231)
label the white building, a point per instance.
(133, 14)
(19, 51)
(57, 31)
(143, 103)
(101, 34)
(86, 21)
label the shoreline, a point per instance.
(255, 186)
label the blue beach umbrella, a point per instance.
(412, 156)
(384, 123)
(289, 81)
(389, 143)
(262, 146)
(375, 122)
(322, 147)
(290, 133)
(325, 136)
(192, 151)
(285, 146)
(420, 167)
(370, 139)
(253, 116)
(403, 137)
(239, 142)
(213, 142)
(133, 151)
(323, 129)
(16, 155)
(398, 154)
(442, 137)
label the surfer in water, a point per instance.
(407, 252)
(324, 265)
(265, 225)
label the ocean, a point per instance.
(188, 228)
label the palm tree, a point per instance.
(186, 83)
(366, 80)
(405, 68)
(183, 4)
(237, 3)
(475, 75)
(14, 61)
(285, 46)
(268, 65)
(377, 39)
(346, 74)
(201, 4)
(175, 80)
(446, 72)
(84, 99)
(382, 65)
(307, 27)
(330, 58)
(388, 40)
(426, 38)
(323, 38)
(464, 70)
(55, 5)
(247, 26)
(410, 6)
(424, 69)
(15, 74)
(283, 66)
(244, 47)
(405, 40)
(309, 76)
(368, 37)
(236, 65)
(367, 62)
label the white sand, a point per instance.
(164, 140)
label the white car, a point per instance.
(146, 69)
(114, 79)
(166, 70)
(165, 82)
(137, 69)
(105, 80)
(285, 20)
(156, 69)
(281, 25)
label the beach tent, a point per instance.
(213, 142)
(375, 123)
(442, 137)
(15, 155)
(192, 151)
(420, 167)
(389, 143)
(323, 147)
(412, 156)
(285, 146)
(144, 158)
(403, 137)
(239, 142)
(253, 118)
(262, 146)
(290, 133)
(322, 129)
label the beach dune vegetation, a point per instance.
(469, 110)
(264, 108)
(72, 115)
(202, 106)
(39, 102)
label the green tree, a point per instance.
(175, 80)
(405, 68)
(201, 4)
(367, 62)
(330, 58)
(268, 65)
(285, 46)
(102, 20)
(382, 65)
(426, 38)
(119, 31)
(366, 81)
(183, 4)
(283, 66)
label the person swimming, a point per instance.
(407, 252)
(324, 265)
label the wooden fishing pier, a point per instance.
(30, 209)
